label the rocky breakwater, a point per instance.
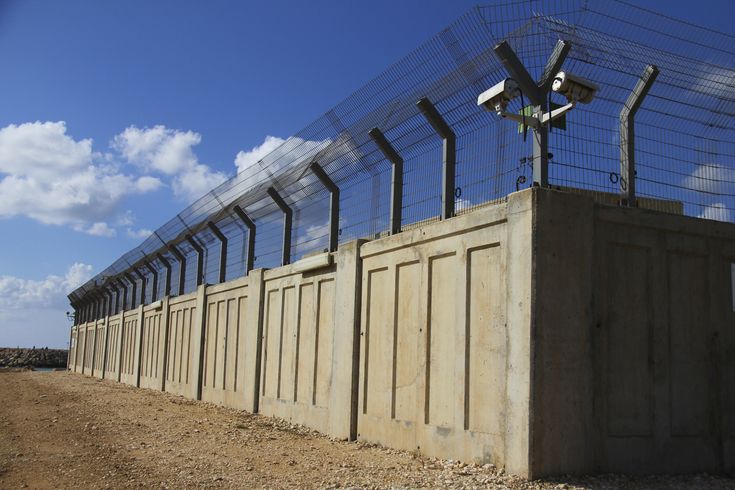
(27, 358)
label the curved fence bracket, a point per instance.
(222, 250)
(333, 203)
(287, 224)
(250, 254)
(396, 185)
(182, 266)
(449, 155)
(134, 289)
(143, 285)
(154, 285)
(167, 276)
(200, 259)
(627, 135)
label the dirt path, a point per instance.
(61, 430)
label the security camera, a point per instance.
(574, 88)
(497, 98)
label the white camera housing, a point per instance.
(496, 98)
(574, 88)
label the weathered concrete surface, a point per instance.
(547, 334)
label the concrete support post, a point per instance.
(68, 352)
(138, 344)
(94, 349)
(519, 300)
(120, 330)
(84, 349)
(346, 350)
(196, 368)
(163, 364)
(253, 342)
(107, 336)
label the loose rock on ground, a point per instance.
(64, 430)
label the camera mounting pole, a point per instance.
(537, 94)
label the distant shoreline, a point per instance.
(40, 357)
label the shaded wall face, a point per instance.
(634, 339)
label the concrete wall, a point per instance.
(112, 362)
(98, 356)
(152, 346)
(633, 340)
(547, 334)
(181, 345)
(130, 347)
(298, 339)
(435, 343)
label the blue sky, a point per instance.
(141, 106)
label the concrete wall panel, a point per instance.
(128, 368)
(434, 339)
(298, 343)
(152, 348)
(113, 347)
(180, 348)
(225, 380)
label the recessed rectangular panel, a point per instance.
(325, 342)
(229, 359)
(271, 343)
(485, 376)
(442, 339)
(629, 376)
(689, 338)
(288, 345)
(406, 326)
(307, 345)
(379, 343)
(242, 326)
(220, 345)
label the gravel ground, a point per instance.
(62, 430)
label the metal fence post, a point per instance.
(222, 250)
(134, 289)
(627, 135)
(143, 284)
(333, 203)
(200, 259)
(396, 186)
(287, 224)
(154, 285)
(167, 277)
(250, 255)
(449, 154)
(182, 267)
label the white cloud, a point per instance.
(719, 212)
(17, 293)
(140, 234)
(47, 175)
(169, 152)
(462, 204)
(99, 228)
(246, 159)
(712, 179)
(273, 155)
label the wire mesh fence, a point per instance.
(685, 140)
